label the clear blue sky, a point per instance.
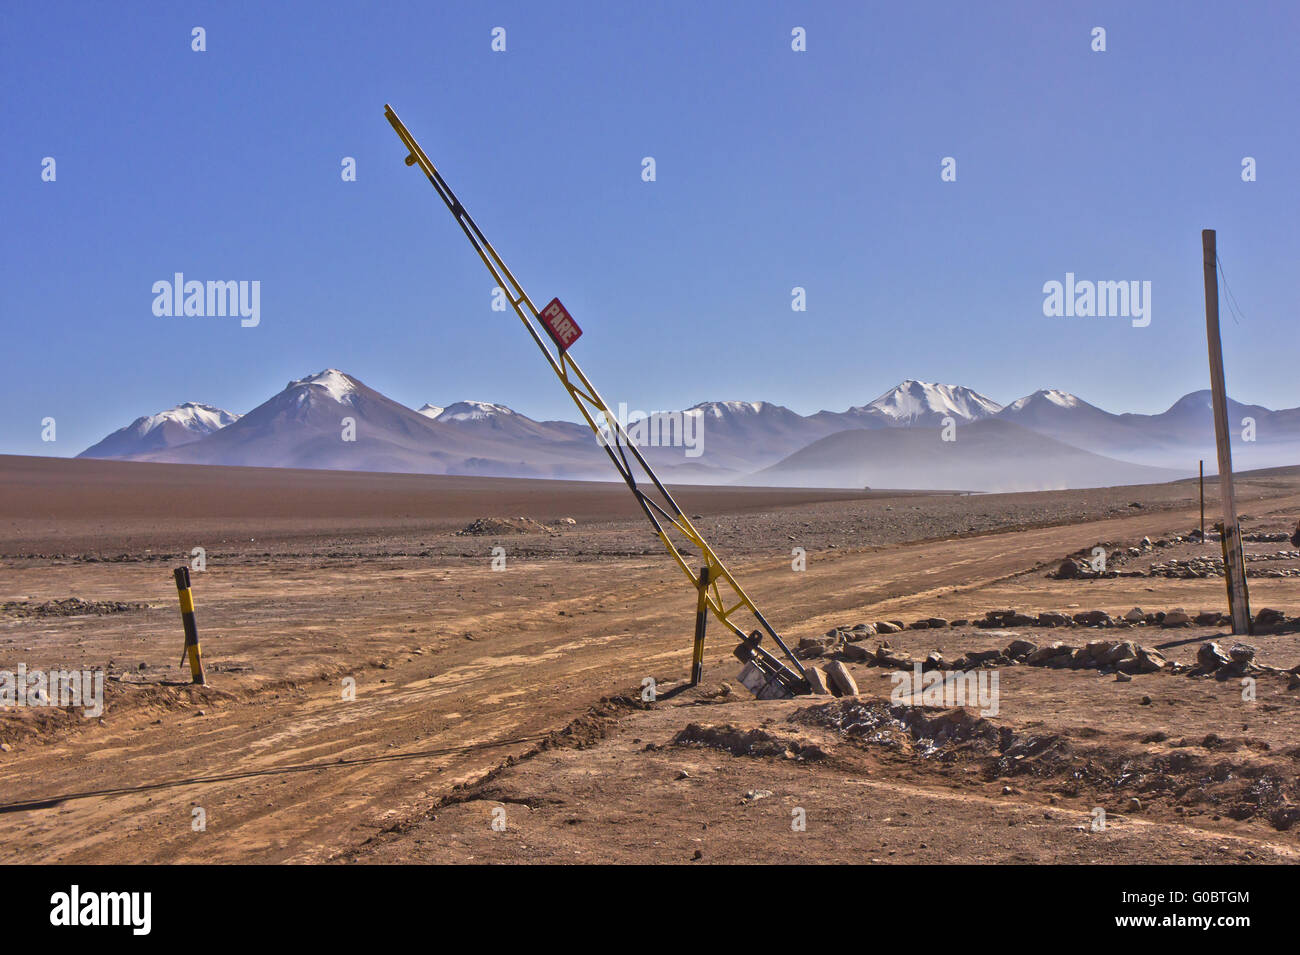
(775, 169)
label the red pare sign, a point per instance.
(559, 324)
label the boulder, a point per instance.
(1098, 651)
(1042, 655)
(1053, 619)
(937, 623)
(885, 626)
(1207, 618)
(1094, 618)
(1210, 656)
(1070, 569)
(1241, 653)
(1176, 618)
(1268, 617)
(1124, 650)
(841, 679)
(1135, 615)
(1019, 649)
(857, 652)
(933, 661)
(817, 681)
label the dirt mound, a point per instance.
(910, 730)
(486, 526)
(751, 742)
(1252, 783)
(67, 607)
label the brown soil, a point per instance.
(478, 689)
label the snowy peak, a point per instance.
(912, 402)
(472, 411)
(1047, 396)
(735, 409)
(184, 424)
(200, 419)
(330, 383)
(430, 410)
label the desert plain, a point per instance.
(377, 692)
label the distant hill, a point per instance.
(987, 455)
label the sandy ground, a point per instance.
(479, 692)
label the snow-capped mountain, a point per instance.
(474, 411)
(1050, 397)
(915, 402)
(168, 429)
(332, 420)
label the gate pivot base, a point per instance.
(764, 675)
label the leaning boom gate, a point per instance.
(765, 675)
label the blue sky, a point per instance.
(775, 169)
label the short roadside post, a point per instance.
(701, 620)
(182, 575)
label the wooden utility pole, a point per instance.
(1202, 502)
(1234, 563)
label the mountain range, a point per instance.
(916, 435)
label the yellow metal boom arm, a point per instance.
(719, 590)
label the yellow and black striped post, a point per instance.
(701, 620)
(191, 628)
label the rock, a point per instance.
(1241, 653)
(1063, 660)
(1207, 618)
(1284, 817)
(1019, 649)
(841, 678)
(1070, 569)
(978, 657)
(1134, 804)
(1122, 677)
(1094, 618)
(1176, 618)
(1099, 651)
(1053, 619)
(885, 627)
(5, 748)
(1210, 656)
(937, 623)
(817, 681)
(857, 652)
(1268, 617)
(1135, 615)
(888, 658)
(933, 661)
(919, 625)
(1150, 661)
(1124, 650)
(1042, 655)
